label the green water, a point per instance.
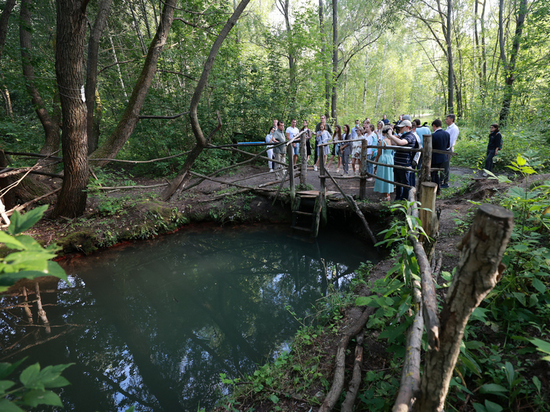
(154, 324)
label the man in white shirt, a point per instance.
(452, 129)
(292, 131)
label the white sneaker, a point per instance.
(314, 168)
(271, 170)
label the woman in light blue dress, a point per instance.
(385, 156)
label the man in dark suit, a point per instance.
(440, 141)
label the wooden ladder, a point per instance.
(306, 212)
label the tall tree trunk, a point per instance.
(450, 71)
(145, 18)
(50, 124)
(130, 117)
(334, 97)
(510, 66)
(121, 79)
(323, 56)
(4, 21)
(285, 9)
(136, 27)
(184, 176)
(91, 71)
(69, 69)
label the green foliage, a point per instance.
(29, 262)
(28, 259)
(472, 148)
(515, 314)
(34, 387)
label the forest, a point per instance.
(86, 85)
(143, 79)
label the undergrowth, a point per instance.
(504, 358)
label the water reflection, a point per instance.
(154, 324)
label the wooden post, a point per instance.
(428, 218)
(303, 160)
(427, 201)
(425, 175)
(363, 171)
(290, 155)
(478, 271)
(322, 173)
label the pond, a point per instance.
(153, 324)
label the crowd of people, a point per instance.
(345, 149)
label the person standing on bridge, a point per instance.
(323, 137)
(403, 158)
(345, 148)
(308, 138)
(280, 149)
(317, 128)
(269, 151)
(291, 132)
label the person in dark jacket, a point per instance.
(494, 145)
(440, 141)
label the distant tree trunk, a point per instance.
(50, 125)
(334, 97)
(450, 72)
(4, 21)
(136, 27)
(69, 69)
(510, 66)
(130, 117)
(284, 7)
(91, 72)
(323, 50)
(184, 176)
(123, 86)
(480, 50)
(145, 18)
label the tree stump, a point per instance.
(478, 272)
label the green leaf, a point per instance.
(273, 398)
(7, 368)
(510, 373)
(493, 407)
(366, 301)
(29, 375)
(5, 385)
(7, 406)
(541, 345)
(479, 407)
(470, 364)
(39, 397)
(521, 297)
(537, 383)
(493, 389)
(20, 223)
(538, 285)
(10, 241)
